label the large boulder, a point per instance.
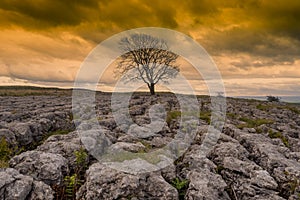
(8, 136)
(103, 182)
(64, 145)
(47, 167)
(204, 182)
(15, 186)
(23, 133)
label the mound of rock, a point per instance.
(105, 183)
(257, 155)
(14, 185)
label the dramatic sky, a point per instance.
(255, 43)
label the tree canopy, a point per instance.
(147, 58)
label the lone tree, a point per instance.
(146, 58)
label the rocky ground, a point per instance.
(42, 157)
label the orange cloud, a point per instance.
(46, 41)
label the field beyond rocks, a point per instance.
(42, 157)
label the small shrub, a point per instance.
(73, 182)
(81, 160)
(181, 186)
(273, 98)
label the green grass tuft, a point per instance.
(280, 136)
(5, 153)
(172, 115)
(253, 123)
(181, 186)
(206, 116)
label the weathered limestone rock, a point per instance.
(15, 186)
(106, 183)
(47, 167)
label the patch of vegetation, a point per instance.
(263, 107)
(4, 164)
(147, 146)
(288, 107)
(206, 116)
(181, 185)
(293, 109)
(231, 115)
(280, 136)
(253, 123)
(258, 130)
(5, 153)
(81, 160)
(172, 115)
(73, 181)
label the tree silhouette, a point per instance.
(146, 58)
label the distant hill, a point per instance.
(33, 90)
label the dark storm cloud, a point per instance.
(264, 28)
(49, 12)
(279, 48)
(269, 29)
(260, 16)
(280, 16)
(106, 14)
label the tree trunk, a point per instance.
(152, 88)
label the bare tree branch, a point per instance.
(146, 58)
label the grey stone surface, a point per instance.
(47, 167)
(246, 163)
(15, 186)
(105, 183)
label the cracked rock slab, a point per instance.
(47, 167)
(15, 186)
(103, 182)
